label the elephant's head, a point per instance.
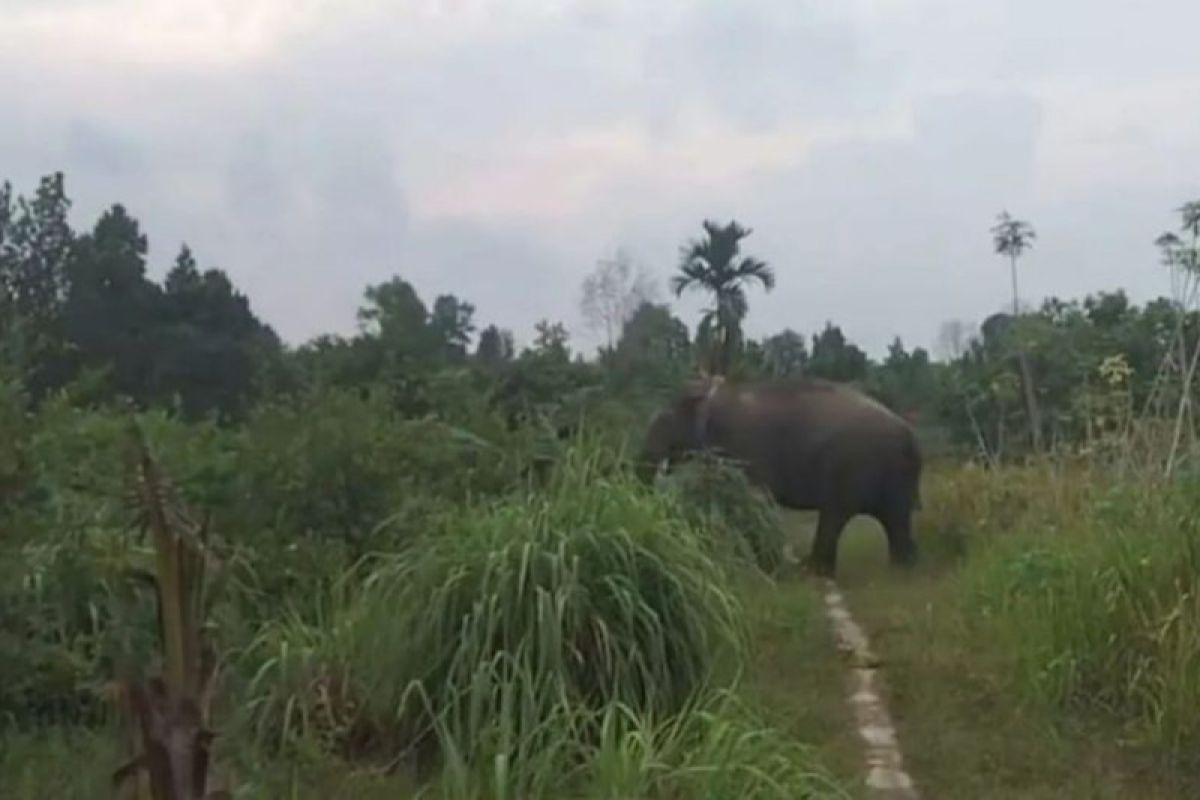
(678, 429)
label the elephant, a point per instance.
(812, 444)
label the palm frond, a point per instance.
(754, 269)
(1190, 214)
(1168, 241)
(1012, 236)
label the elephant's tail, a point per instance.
(912, 454)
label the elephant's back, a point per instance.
(827, 405)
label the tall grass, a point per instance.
(592, 592)
(717, 748)
(1093, 587)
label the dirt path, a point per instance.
(886, 777)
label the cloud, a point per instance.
(153, 32)
(106, 152)
(497, 149)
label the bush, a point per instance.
(332, 464)
(68, 611)
(741, 520)
(593, 592)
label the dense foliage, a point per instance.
(429, 550)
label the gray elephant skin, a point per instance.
(814, 445)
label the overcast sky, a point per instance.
(497, 148)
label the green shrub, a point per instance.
(332, 464)
(68, 611)
(742, 521)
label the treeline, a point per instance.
(78, 309)
(78, 313)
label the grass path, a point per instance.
(962, 733)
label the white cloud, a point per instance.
(155, 32)
(496, 148)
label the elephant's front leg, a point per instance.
(823, 559)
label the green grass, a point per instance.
(972, 682)
(60, 762)
(796, 678)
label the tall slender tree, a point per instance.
(1183, 259)
(714, 264)
(451, 323)
(36, 242)
(1011, 238)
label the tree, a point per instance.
(495, 347)
(36, 242)
(396, 322)
(1183, 258)
(550, 341)
(611, 293)
(1012, 237)
(905, 382)
(713, 264)
(836, 359)
(451, 324)
(785, 354)
(653, 348)
(37, 249)
(344, 362)
(112, 312)
(212, 348)
(393, 311)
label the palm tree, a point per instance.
(714, 264)
(1183, 259)
(1011, 238)
(1190, 212)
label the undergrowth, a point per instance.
(592, 592)
(741, 521)
(1093, 587)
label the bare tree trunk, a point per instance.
(1185, 405)
(979, 438)
(1000, 428)
(1031, 405)
(1088, 413)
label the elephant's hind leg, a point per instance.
(825, 543)
(902, 548)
